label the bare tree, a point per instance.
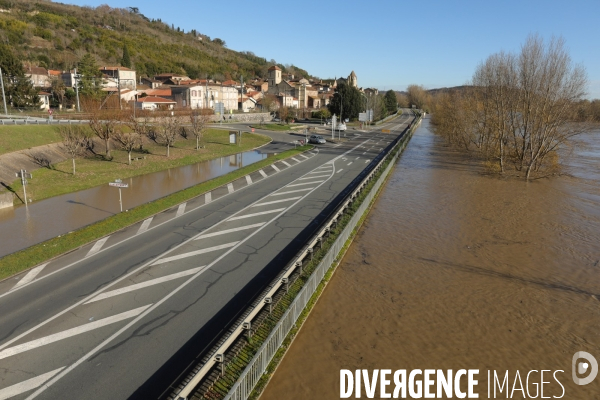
(74, 141)
(128, 141)
(103, 123)
(167, 131)
(140, 126)
(519, 107)
(200, 118)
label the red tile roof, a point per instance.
(154, 99)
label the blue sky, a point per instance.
(389, 44)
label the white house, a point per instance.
(152, 103)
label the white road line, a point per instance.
(302, 155)
(226, 231)
(276, 201)
(34, 344)
(180, 210)
(27, 385)
(291, 191)
(295, 159)
(305, 183)
(319, 172)
(263, 173)
(350, 163)
(286, 163)
(194, 253)
(230, 187)
(145, 225)
(248, 180)
(311, 177)
(256, 214)
(30, 276)
(367, 160)
(207, 197)
(142, 285)
(340, 170)
(357, 158)
(97, 246)
(364, 153)
(275, 168)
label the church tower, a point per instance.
(274, 76)
(352, 80)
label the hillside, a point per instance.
(56, 36)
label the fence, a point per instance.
(40, 122)
(258, 365)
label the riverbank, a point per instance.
(458, 269)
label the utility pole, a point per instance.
(242, 92)
(76, 89)
(119, 87)
(3, 95)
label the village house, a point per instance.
(118, 77)
(38, 76)
(44, 100)
(204, 95)
(151, 103)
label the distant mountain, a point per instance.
(56, 36)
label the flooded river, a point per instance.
(23, 226)
(458, 269)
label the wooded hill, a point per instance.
(57, 36)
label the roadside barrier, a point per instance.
(258, 365)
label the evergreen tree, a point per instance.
(90, 83)
(19, 89)
(391, 102)
(348, 101)
(126, 61)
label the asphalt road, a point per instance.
(124, 316)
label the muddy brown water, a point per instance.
(455, 269)
(21, 227)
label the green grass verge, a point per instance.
(96, 171)
(27, 258)
(21, 137)
(273, 127)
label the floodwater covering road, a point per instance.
(21, 227)
(458, 269)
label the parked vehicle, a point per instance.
(341, 127)
(317, 139)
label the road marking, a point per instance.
(275, 167)
(367, 160)
(302, 155)
(180, 210)
(340, 170)
(248, 180)
(319, 172)
(142, 285)
(364, 153)
(194, 253)
(286, 163)
(34, 344)
(312, 177)
(263, 173)
(30, 276)
(276, 201)
(27, 385)
(230, 187)
(295, 159)
(145, 225)
(291, 191)
(97, 246)
(207, 197)
(350, 163)
(225, 231)
(305, 183)
(256, 214)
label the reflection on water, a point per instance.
(24, 226)
(455, 269)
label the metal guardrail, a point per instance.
(244, 385)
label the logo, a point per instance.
(582, 367)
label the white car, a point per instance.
(341, 127)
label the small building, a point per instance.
(152, 103)
(44, 100)
(119, 76)
(247, 104)
(38, 76)
(151, 83)
(171, 77)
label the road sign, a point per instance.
(23, 174)
(232, 137)
(385, 131)
(362, 117)
(252, 130)
(50, 111)
(118, 184)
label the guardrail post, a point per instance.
(285, 281)
(299, 264)
(220, 358)
(247, 326)
(310, 251)
(269, 301)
